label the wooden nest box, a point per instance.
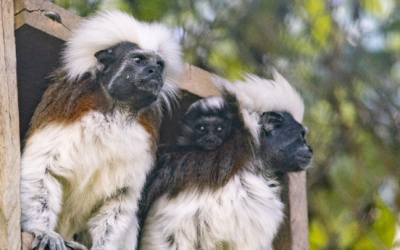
(33, 33)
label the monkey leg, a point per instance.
(41, 199)
(114, 225)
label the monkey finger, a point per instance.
(74, 245)
(60, 244)
(44, 242)
(52, 244)
(38, 239)
(36, 242)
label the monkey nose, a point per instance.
(210, 139)
(150, 72)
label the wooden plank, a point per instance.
(38, 44)
(198, 82)
(298, 211)
(27, 240)
(32, 12)
(293, 233)
(10, 211)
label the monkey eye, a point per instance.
(304, 131)
(160, 64)
(201, 130)
(220, 130)
(137, 59)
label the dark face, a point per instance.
(210, 131)
(207, 123)
(131, 75)
(283, 144)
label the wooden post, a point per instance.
(10, 212)
(36, 61)
(293, 233)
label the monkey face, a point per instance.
(283, 143)
(210, 131)
(131, 75)
(207, 123)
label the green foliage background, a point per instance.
(344, 58)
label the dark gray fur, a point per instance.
(206, 124)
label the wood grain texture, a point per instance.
(32, 13)
(294, 234)
(10, 211)
(27, 240)
(198, 82)
(298, 211)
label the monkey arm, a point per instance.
(41, 188)
(113, 220)
(41, 198)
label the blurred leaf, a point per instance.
(379, 8)
(319, 238)
(394, 25)
(374, 6)
(385, 224)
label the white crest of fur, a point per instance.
(112, 27)
(250, 117)
(213, 102)
(262, 95)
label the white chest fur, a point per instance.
(92, 159)
(244, 214)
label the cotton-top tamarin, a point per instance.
(216, 188)
(93, 136)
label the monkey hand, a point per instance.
(48, 240)
(74, 245)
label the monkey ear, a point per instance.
(105, 58)
(271, 120)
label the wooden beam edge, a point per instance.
(33, 13)
(9, 133)
(297, 188)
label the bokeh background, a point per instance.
(344, 58)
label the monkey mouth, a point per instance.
(210, 147)
(150, 98)
(152, 86)
(304, 157)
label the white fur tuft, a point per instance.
(112, 27)
(243, 215)
(262, 95)
(224, 85)
(250, 117)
